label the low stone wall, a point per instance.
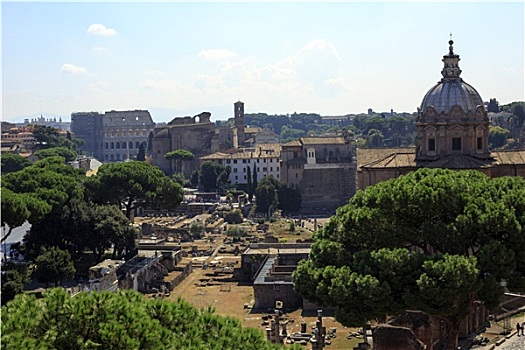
(178, 275)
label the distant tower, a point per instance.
(239, 121)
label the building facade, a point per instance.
(113, 136)
(323, 168)
(452, 132)
(265, 158)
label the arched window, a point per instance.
(137, 144)
(112, 157)
(130, 145)
(106, 145)
(118, 156)
(112, 145)
(124, 145)
(117, 145)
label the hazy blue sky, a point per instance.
(176, 58)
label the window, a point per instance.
(235, 170)
(130, 145)
(106, 145)
(236, 177)
(112, 145)
(480, 143)
(265, 169)
(118, 145)
(245, 177)
(277, 168)
(271, 168)
(456, 143)
(244, 161)
(264, 160)
(124, 145)
(431, 145)
(137, 145)
(235, 161)
(228, 161)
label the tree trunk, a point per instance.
(451, 333)
(7, 235)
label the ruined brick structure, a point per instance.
(198, 135)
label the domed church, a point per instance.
(452, 132)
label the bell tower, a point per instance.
(239, 121)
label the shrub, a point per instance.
(233, 217)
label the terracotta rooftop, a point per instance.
(322, 140)
(509, 157)
(266, 150)
(374, 156)
(294, 143)
(405, 157)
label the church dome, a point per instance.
(451, 90)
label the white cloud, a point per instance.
(314, 70)
(70, 68)
(100, 29)
(216, 54)
(98, 49)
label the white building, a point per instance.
(265, 158)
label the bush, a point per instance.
(197, 229)
(236, 232)
(292, 226)
(233, 217)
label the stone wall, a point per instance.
(328, 186)
(266, 295)
(388, 337)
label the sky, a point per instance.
(181, 58)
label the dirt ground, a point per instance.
(202, 289)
